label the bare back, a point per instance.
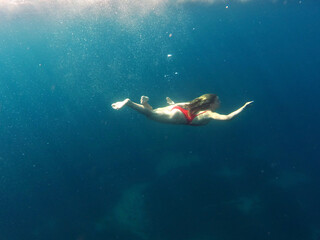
(174, 116)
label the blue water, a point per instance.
(71, 167)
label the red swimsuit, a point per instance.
(185, 112)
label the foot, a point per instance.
(119, 105)
(169, 101)
(144, 102)
(144, 99)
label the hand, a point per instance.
(119, 105)
(248, 104)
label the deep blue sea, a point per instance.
(73, 168)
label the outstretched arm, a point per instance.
(230, 116)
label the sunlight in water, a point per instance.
(78, 6)
(107, 7)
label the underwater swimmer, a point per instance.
(197, 112)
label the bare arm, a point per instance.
(217, 116)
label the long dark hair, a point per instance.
(201, 103)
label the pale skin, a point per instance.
(175, 116)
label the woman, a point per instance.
(199, 111)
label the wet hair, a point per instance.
(201, 103)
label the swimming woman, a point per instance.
(199, 111)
